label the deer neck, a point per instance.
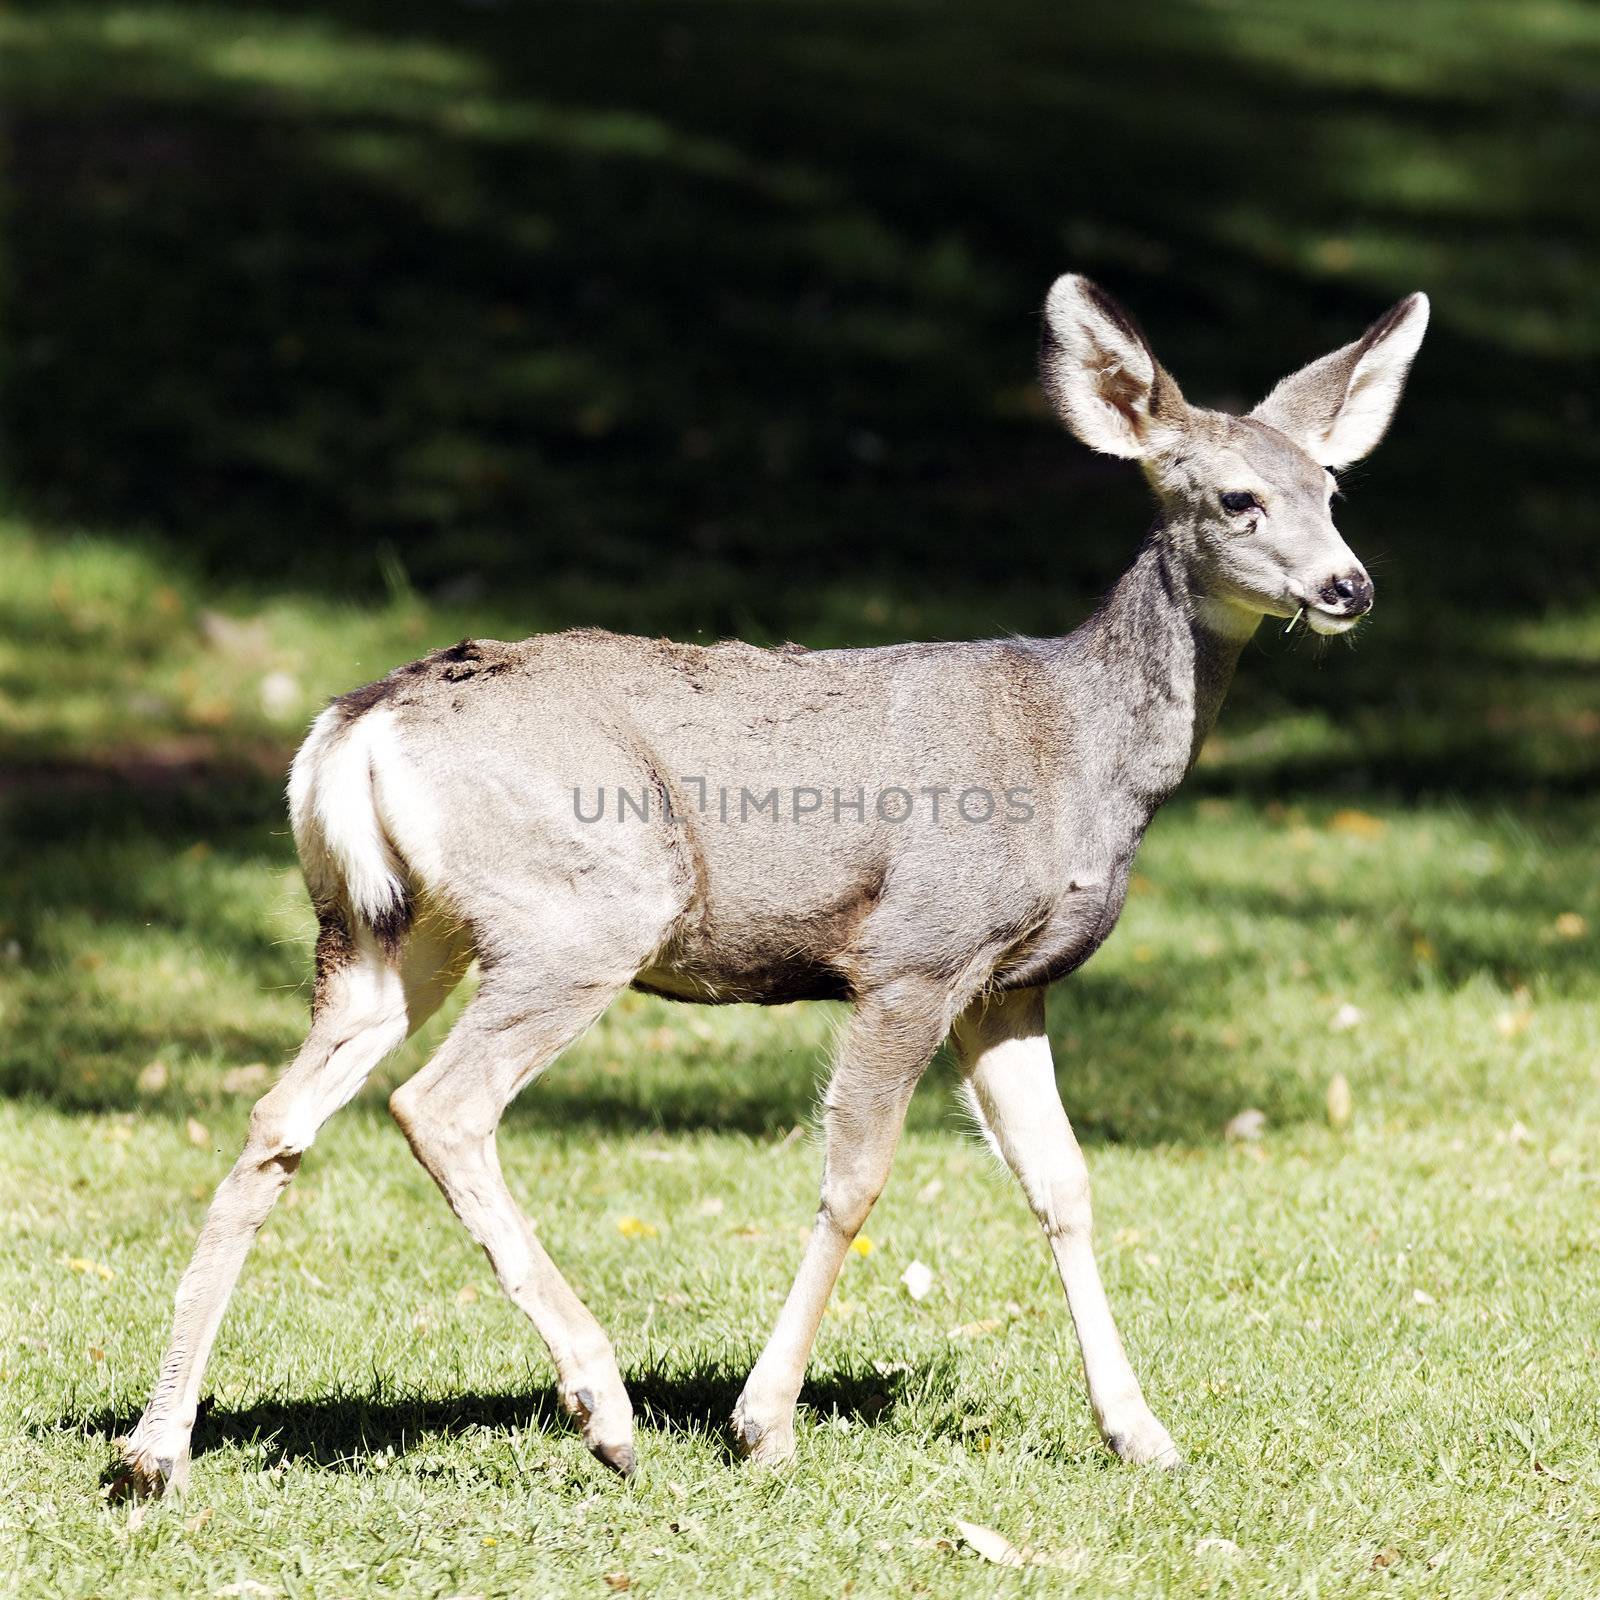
(1149, 670)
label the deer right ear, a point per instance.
(1100, 373)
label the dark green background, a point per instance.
(721, 318)
(718, 304)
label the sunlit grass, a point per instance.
(1373, 1340)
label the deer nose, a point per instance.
(1353, 592)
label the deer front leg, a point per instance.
(885, 1049)
(1011, 1082)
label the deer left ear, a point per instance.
(1338, 408)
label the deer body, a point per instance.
(583, 812)
(748, 789)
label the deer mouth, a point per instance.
(1328, 623)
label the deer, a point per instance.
(459, 810)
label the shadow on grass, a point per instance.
(344, 1432)
(500, 295)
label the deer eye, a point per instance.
(1238, 500)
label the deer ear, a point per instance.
(1338, 408)
(1100, 373)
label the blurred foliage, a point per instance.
(680, 315)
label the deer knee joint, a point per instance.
(278, 1136)
(432, 1122)
(404, 1105)
(847, 1202)
(1066, 1210)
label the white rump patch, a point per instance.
(364, 825)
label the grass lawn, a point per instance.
(334, 331)
(1376, 1342)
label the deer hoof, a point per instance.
(606, 1419)
(140, 1474)
(621, 1458)
(1145, 1444)
(766, 1444)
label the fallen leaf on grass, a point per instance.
(1385, 1558)
(995, 1547)
(1357, 824)
(1550, 1472)
(636, 1228)
(990, 1545)
(1508, 1024)
(918, 1279)
(245, 1080)
(196, 1133)
(618, 1581)
(234, 636)
(83, 1264)
(153, 1078)
(972, 1330)
(280, 694)
(1340, 1101)
(1216, 1545)
(195, 1524)
(466, 1294)
(1245, 1128)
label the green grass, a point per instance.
(336, 331)
(1375, 1343)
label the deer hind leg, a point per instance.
(885, 1049)
(1011, 1085)
(510, 1032)
(366, 1005)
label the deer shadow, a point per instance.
(346, 1431)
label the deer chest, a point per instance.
(1078, 923)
